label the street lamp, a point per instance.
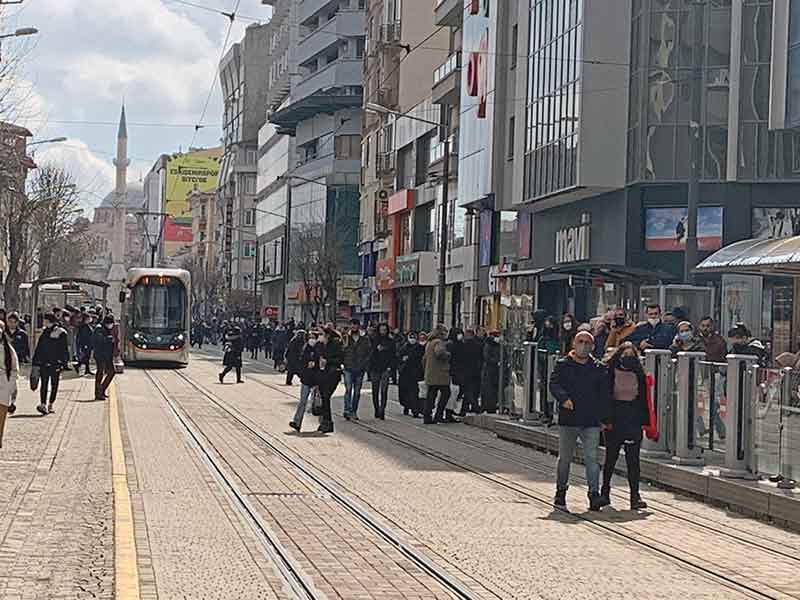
(444, 134)
(54, 140)
(22, 31)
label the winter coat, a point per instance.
(83, 339)
(490, 376)
(19, 340)
(457, 366)
(103, 343)
(586, 384)
(617, 335)
(8, 381)
(715, 347)
(753, 348)
(280, 340)
(330, 376)
(628, 418)
(233, 349)
(309, 374)
(52, 349)
(410, 366)
(384, 354)
(294, 355)
(692, 345)
(659, 337)
(472, 360)
(437, 362)
(357, 353)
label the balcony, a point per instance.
(343, 72)
(384, 163)
(447, 81)
(449, 13)
(346, 23)
(437, 159)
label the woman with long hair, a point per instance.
(569, 327)
(9, 365)
(629, 414)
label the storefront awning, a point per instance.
(605, 271)
(756, 257)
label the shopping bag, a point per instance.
(34, 378)
(651, 429)
(316, 403)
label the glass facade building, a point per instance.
(553, 110)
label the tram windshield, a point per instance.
(159, 305)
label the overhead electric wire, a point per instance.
(232, 15)
(116, 123)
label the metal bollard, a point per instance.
(552, 359)
(658, 363)
(529, 406)
(686, 451)
(738, 419)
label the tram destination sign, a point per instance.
(573, 244)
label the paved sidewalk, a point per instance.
(56, 529)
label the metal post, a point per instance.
(551, 365)
(695, 154)
(687, 452)
(658, 364)
(286, 236)
(529, 412)
(786, 482)
(738, 438)
(255, 283)
(443, 233)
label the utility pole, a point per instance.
(443, 234)
(255, 283)
(286, 236)
(695, 150)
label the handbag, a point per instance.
(35, 375)
(651, 429)
(316, 403)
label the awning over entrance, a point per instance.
(756, 257)
(605, 271)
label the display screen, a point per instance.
(159, 305)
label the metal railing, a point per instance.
(452, 64)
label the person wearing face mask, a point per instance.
(83, 341)
(232, 359)
(437, 376)
(52, 357)
(357, 349)
(742, 342)
(9, 367)
(293, 355)
(103, 345)
(18, 338)
(579, 384)
(309, 377)
(458, 370)
(627, 384)
(410, 372)
(685, 340)
(653, 333)
(330, 373)
(382, 360)
(490, 375)
(472, 358)
(547, 338)
(569, 327)
(621, 328)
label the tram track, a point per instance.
(694, 562)
(290, 571)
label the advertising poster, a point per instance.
(186, 172)
(771, 223)
(665, 229)
(524, 235)
(485, 249)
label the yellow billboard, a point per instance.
(197, 170)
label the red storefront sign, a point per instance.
(402, 200)
(177, 232)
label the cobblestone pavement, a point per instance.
(191, 541)
(56, 528)
(508, 541)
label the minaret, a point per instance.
(117, 272)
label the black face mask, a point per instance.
(619, 321)
(629, 362)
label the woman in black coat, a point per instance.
(629, 413)
(490, 377)
(411, 372)
(232, 359)
(294, 356)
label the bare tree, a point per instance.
(207, 284)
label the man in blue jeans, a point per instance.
(579, 384)
(357, 349)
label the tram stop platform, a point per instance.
(760, 498)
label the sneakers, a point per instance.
(12, 408)
(50, 409)
(560, 500)
(595, 504)
(346, 415)
(42, 409)
(604, 500)
(294, 426)
(221, 378)
(637, 503)
(325, 427)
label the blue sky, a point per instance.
(160, 55)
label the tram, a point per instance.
(156, 316)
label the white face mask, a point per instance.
(312, 342)
(654, 322)
(460, 337)
(412, 341)
(567, 325)
(323, 339)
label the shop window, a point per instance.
(507, 238)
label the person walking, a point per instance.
(579, 384)
(279, 344)
(294, 353)
(51, 356)
(9, 369)
(268, 333)
(410, 373)
(18, 338)
(330, 366)
(490, 376)
(232, 359)
(103, 344)
(309, 377)
(437, 375)
(381, 362)
(472, 363)
(357, 349)
(83, 343)
(629, 413)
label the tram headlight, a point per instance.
(178, 341)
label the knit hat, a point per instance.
(584, 335)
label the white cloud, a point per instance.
(93, 175)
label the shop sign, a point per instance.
(478, 74)
(271, 312)
(384, 274)
(499, 285)
(573, 244)
(406, 271)
(402, 200)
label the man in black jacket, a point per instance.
(579, 384)
(52, 357)
(472, 366)
(382, 361)
(103, 345)
(18, 338)
(83, 341)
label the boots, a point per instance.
(325, 427)
(560, 500)
(636, 502)
(605, 494)
(595, 504)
